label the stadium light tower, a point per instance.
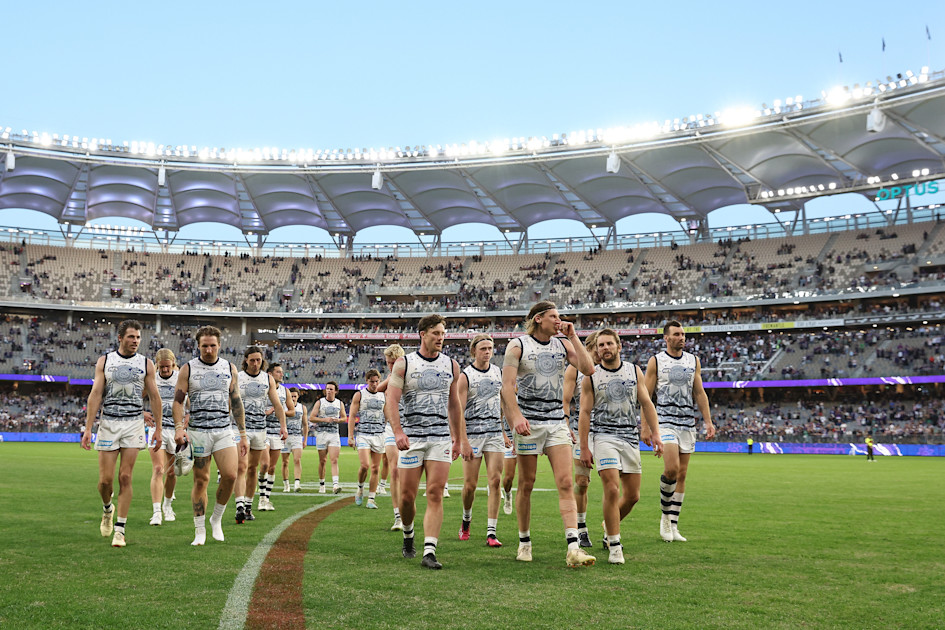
(613, 163)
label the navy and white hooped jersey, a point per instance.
(254, 390)
(167, 388)
(124, 386)
(272, 420)
(293, 425)
(329, 409)
(576, 402)
(371, 411)
(426, 396)
(615, 403)
(483, 407)
(674, 378)
(209, 391)
(541, 379)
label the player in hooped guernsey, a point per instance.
(212, 385)
(163, 480)
(609, 433)
(121, 378)
(480, 387)
(535, 364)
(276, 433)
(327, 413)
(259, 393)
(295, 442)
(675, 377)
(367, 405)
(573, 379)
(433, 414)
(391, 452)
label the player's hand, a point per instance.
(508, 442)
(244, 447)
(149, 418)
(657, 447)
(156, 437)
(587, 457)
(646, 436)
(523, 427)
(284, 434)
(402, 441)
(709, 430)
(466, 450)
(180, 438)
(270, 411)
(353, 443)
(86, 441)
(574, 439)
(566, 328)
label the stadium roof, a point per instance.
(777, 156)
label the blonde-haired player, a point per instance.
(391, 452)
(162, 459)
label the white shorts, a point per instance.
(614, 453)
(374, 443)
(257, 440)
(389, 436)
(118, 434)
(685, 439)
(206, 442)
(422, 451)
(324, 440)
(494, 444)
(275, 442)
(167, 439)
(579, 469)
(509, 452)
(292, 443)
(543, 437)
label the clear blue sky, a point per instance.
(345, 74)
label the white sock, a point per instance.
(613, 541)
(396, 512)
(582, 520)
(525, 537)
(334, 479)
(157, 507)
(218, 510)
(491, 524)
(408, 530)
(429, 545)
(200, 522)
(167, 502)
(467, 514)
(371, 496)
(321, 482)
(677, 504)
(571, 534)
(360, 485)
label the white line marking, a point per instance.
(236, 608)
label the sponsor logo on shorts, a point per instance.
(477, 451)
(105, 443)
(608, 461)
(668, 437)
(411, 459)
(523, 448)
(199, 450)
(577, 452)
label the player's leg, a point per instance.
(409, 485)
(385, 475)
(494, 461)
(668, 484)
(527, 469)
(157, 484)
(334, 450)
(274, 454)
(297, 468)
(252, 472)
(364, 461)
(437, 474)
(263, 470)
(508, 477)
(678, 495)
(391, 454)
(322, 460)
(106, 479)
(126, 464)
(610, 482)
(239, 487)
(198, 497)
(376, 457)
(560, 457)
(285, 470)
(170, 483)
(228, 462)
(470, 481)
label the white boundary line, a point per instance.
(236, 608)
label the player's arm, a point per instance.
(649, 385)
(352, 414)
(702, 401)
(648, 414)
(154, 398)
(461, 445)
(570, 381)
(304, 425)
(237, 410)
(290, 406)
(94, 402)
(395, 389)
(343, 415)
(577, 353)
(382, 386)
(462, 390)
(277, 406)
(584, 423)
(177, 407)
(513, 356)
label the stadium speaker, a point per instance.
(613, 163)
(11, 161)
(377, 180)
(162, 175)
(875, 120)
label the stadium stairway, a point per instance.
(828, 247)
(928, 241)
(639, 257)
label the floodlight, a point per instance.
(11, 161)
(377, 180)
(613, 163)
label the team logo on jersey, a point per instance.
(618, 391)
(488, 388)
(212, 381)
(547, 363)
(432, 380)
(254, 389)
(125, 374)
(678, 375)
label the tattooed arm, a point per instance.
(238, 412)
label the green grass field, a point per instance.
(774, 542)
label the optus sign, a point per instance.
(895, 192)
